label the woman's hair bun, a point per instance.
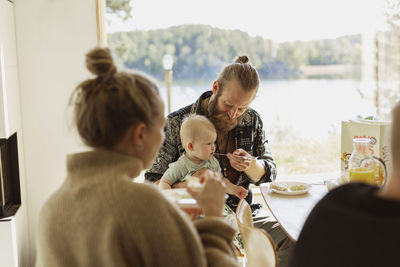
(242, 59)
(100, 62)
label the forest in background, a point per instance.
(200, 52)
(285, 61)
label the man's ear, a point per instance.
(190, 146)
(138, 135)
(215, 87)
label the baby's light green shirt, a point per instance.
(178, 170)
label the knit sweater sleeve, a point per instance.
(216, 237)
(163, 235)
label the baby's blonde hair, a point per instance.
(193, 127)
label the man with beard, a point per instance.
(240, 135)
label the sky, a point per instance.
(279, 20)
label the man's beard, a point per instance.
(222, 121)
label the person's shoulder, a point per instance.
(180, 112)
(252, 112)
(182, 161)
(59, 203)
(250, 117)
(351, 190)
(343, 199)
(176, 165)
(139, 189)
(52, 203)
(174, 119)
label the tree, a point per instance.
(388, 59)
(201, 51)
(121, 8)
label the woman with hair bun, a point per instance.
(99, 217)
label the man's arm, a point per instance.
(265, 159)
(169, 151)
(256, 170)
(242, 161)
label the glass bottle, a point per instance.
(362, 166)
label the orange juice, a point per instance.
(365, 175)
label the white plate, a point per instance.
(289, 184)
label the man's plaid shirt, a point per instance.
(248, 134)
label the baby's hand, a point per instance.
(240, 192)
(193, 213)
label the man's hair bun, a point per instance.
(242, 59)
(100, 62)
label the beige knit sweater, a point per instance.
(99, 217)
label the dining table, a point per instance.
(291, 211)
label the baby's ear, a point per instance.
(190, 146)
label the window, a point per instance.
(315, 59)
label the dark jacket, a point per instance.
(350, 226)
(248, 134)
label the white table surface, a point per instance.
(291, 211)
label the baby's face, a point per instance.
(204, 146)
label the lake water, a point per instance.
(307, 108)
(302, 119)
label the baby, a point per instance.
(198, 136)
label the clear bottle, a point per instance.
(362, 166)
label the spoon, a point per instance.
(243, 157)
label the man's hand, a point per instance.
(240, 160)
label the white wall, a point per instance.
(10, 122)
(52, 38)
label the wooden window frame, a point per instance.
(100, 20)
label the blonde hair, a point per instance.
(107, 105)
(241, 70)
(395, 138)
(193, 127)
